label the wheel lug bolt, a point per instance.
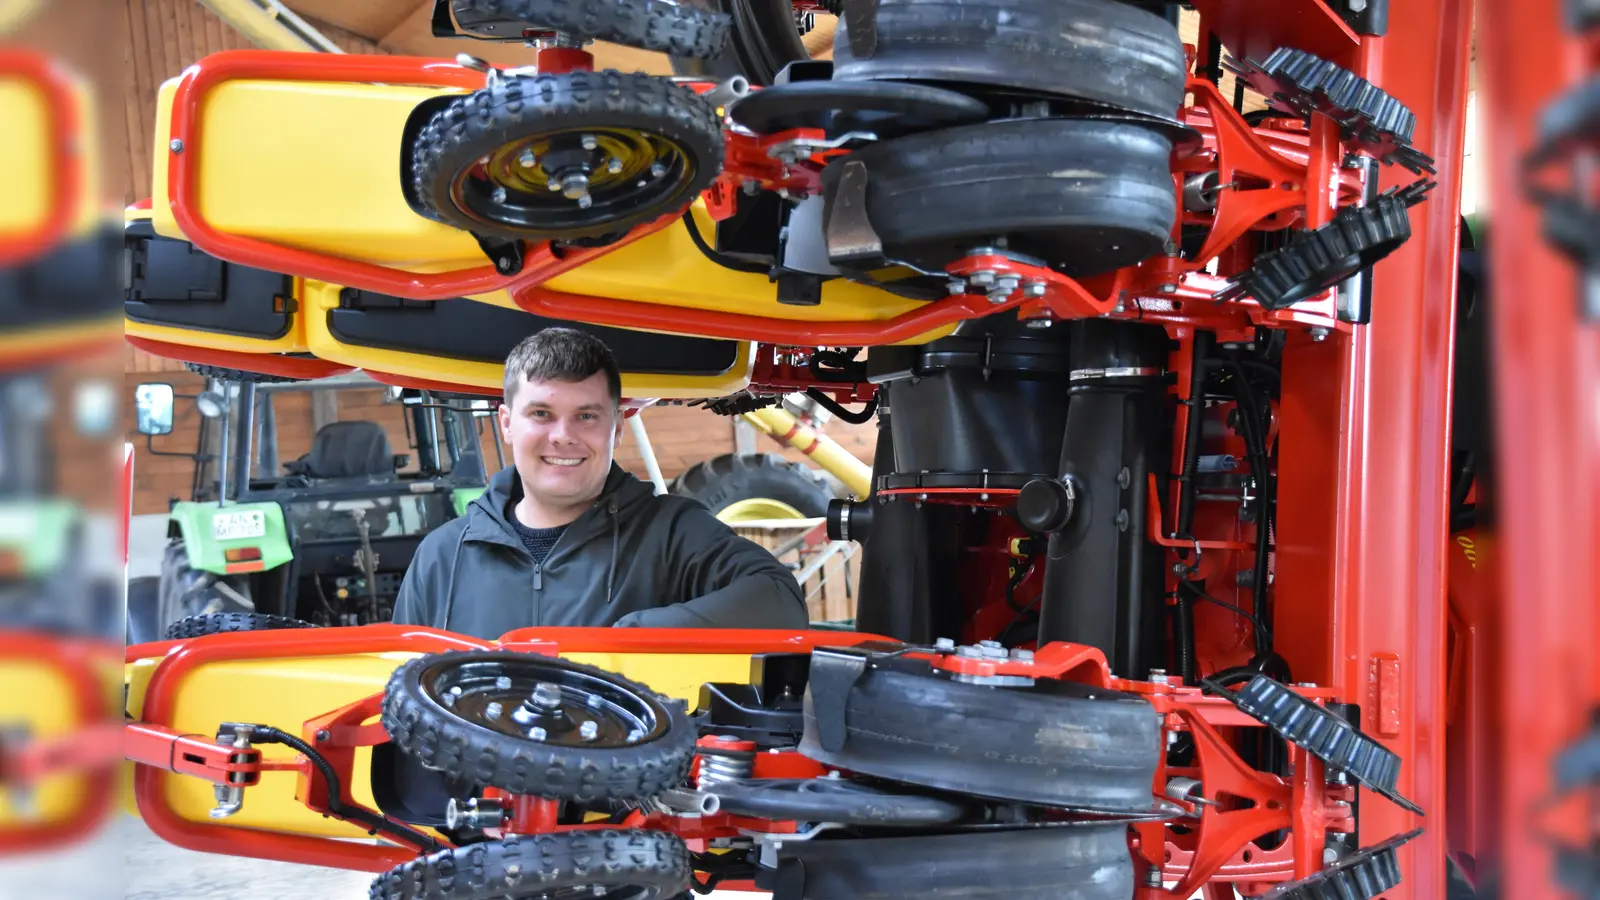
(613, 165)
(575, 187)
(589, 142)
(499, 195)
(658, 169)
(546, 695)
(553, 184)
(492, 711)
(589, 731)
(537, 734)
(527, 159)
(503, 682)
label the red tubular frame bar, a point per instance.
(64, 194)
(265, 363)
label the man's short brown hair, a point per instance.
(561, 354)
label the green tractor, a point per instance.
(323, 539)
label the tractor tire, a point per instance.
(445, 159)
(676, 28)
(932, 197)
(639, 865)
(762, 39)
(143, 610)
(450, 712)
(227, 623)
(183, 591)
(239, 375)
(725, 480)
(1103, 51)
(1054, 743)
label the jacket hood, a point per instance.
(487, 514)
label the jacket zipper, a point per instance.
(538, 577)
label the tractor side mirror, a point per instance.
(153, 406)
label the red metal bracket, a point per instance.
(1224, 832)
(1060, 660)
(64, 189)
(776, 371)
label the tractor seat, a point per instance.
(347, 450)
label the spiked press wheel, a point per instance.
(565, 156)
(1315, 260)
(1300, 83)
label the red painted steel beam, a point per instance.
(1545, 380)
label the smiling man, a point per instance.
(565, 536)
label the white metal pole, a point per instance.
(636, 423)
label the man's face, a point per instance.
(562, 435)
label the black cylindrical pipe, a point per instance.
(1203, 341)
(1103, 581)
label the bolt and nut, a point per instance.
(589, 730)
(588, 141)
(1034, 289)
(546, 695)
(1319, 334)
(492, 711)
(944, 645)
(982, 277)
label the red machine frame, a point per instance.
(1363, 474)
(1220, 851)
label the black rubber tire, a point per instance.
(724, 480)
(515, 108)
(762, 39)
(239, 375)
(526, 867)
(143, 610)
(184, 591)
(442, 740)
(657, 25)
(224, 623)
(1053, 744)
(1085, 195)
(1079, 862)
(1098, 50)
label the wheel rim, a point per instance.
(545, 700)
(597, 892)
(755, 509)
(541, 181)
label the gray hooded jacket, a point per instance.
(633, 559)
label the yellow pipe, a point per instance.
(784, 428)
(271, 25)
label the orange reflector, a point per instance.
(240, 554)
(234, 568)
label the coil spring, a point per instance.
(721, 767)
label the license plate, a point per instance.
(232, 526)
